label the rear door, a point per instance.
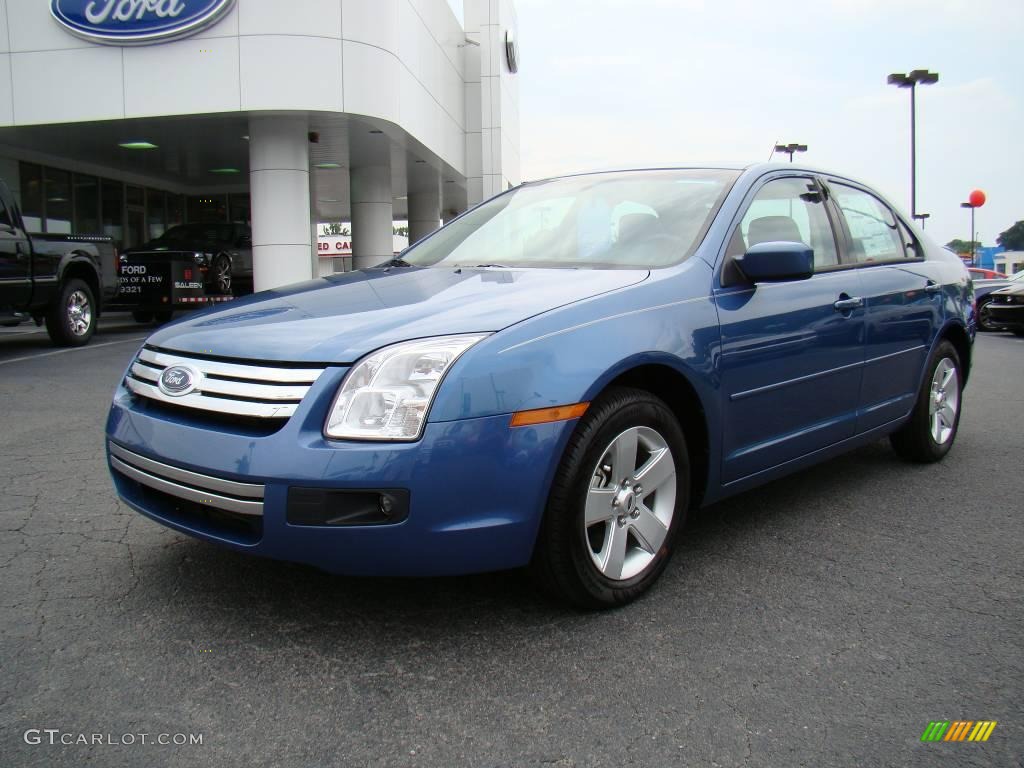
(792, 352)
(15, 257)
(903, 301)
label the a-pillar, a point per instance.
(282, 250)
(372, 215)
(424, 212)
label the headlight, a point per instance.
(200, 258)
(386, 395)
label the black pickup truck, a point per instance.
(60, 279)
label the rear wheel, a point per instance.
(71, 320)
(931, 430)
(618, 500)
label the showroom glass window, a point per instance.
(112, 210)
(790, 209)
(32, 196)
(87, 204)
(57, 193)
(874, 231)
(156, 219)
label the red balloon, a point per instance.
(976, 198)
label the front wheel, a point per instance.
(931, 430)
(618, 500)
(71, 319)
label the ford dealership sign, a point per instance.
(136, 22)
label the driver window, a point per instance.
(791, 210)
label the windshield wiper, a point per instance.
(396, 262)
(485, 266)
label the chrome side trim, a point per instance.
(248, 490)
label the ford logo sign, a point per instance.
(136, 22)
(178, 380)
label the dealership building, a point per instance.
(126, 117)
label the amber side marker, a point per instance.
(545, 415)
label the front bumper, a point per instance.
(1006, 314)
(476, 488)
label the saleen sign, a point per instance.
(136, 22)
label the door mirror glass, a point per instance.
(777, 261)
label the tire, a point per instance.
(580, 563)
(71, 319)
(163, 316)
(140, 316)
(220, 274)
(985, 323)
(933, 424)
(1018, 331)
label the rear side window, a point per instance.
(874, 231)
(5, 216)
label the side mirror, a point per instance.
(777, 261)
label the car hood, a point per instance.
(340, 318)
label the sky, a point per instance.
(631, 82)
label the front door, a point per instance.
(792, 352)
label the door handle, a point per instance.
(848, 303)
(932, 287)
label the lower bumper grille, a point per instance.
(212, 492)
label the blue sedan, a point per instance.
(553, 380)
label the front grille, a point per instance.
(211, 492)
(252, 391)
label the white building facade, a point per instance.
(150, 113)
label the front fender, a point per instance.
(569, 355)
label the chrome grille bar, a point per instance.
(244, 498)
(254, 391)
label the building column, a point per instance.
(424, 212)
(279, 192)
(372, 215)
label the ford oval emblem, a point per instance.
(136, 22)
(178, 380)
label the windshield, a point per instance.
(638, 219)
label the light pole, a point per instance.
(922, 217)
(911, 81)
(974, 200)
(790, 149)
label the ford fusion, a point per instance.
(553, 379)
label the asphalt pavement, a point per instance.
(823, 620)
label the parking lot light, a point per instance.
(790, 149)
(911, 80)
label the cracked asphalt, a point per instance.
(822, 620)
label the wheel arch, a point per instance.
(957, 335)
(79, 266)
(668, 382)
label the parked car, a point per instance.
(220, 252)
(983, 290)
(985, 274)
(61, 280)
(553, 379)
(1006, 308)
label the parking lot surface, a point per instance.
(823, 620)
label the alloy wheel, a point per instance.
(79, 313)
(945, 400)
(630, 503)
